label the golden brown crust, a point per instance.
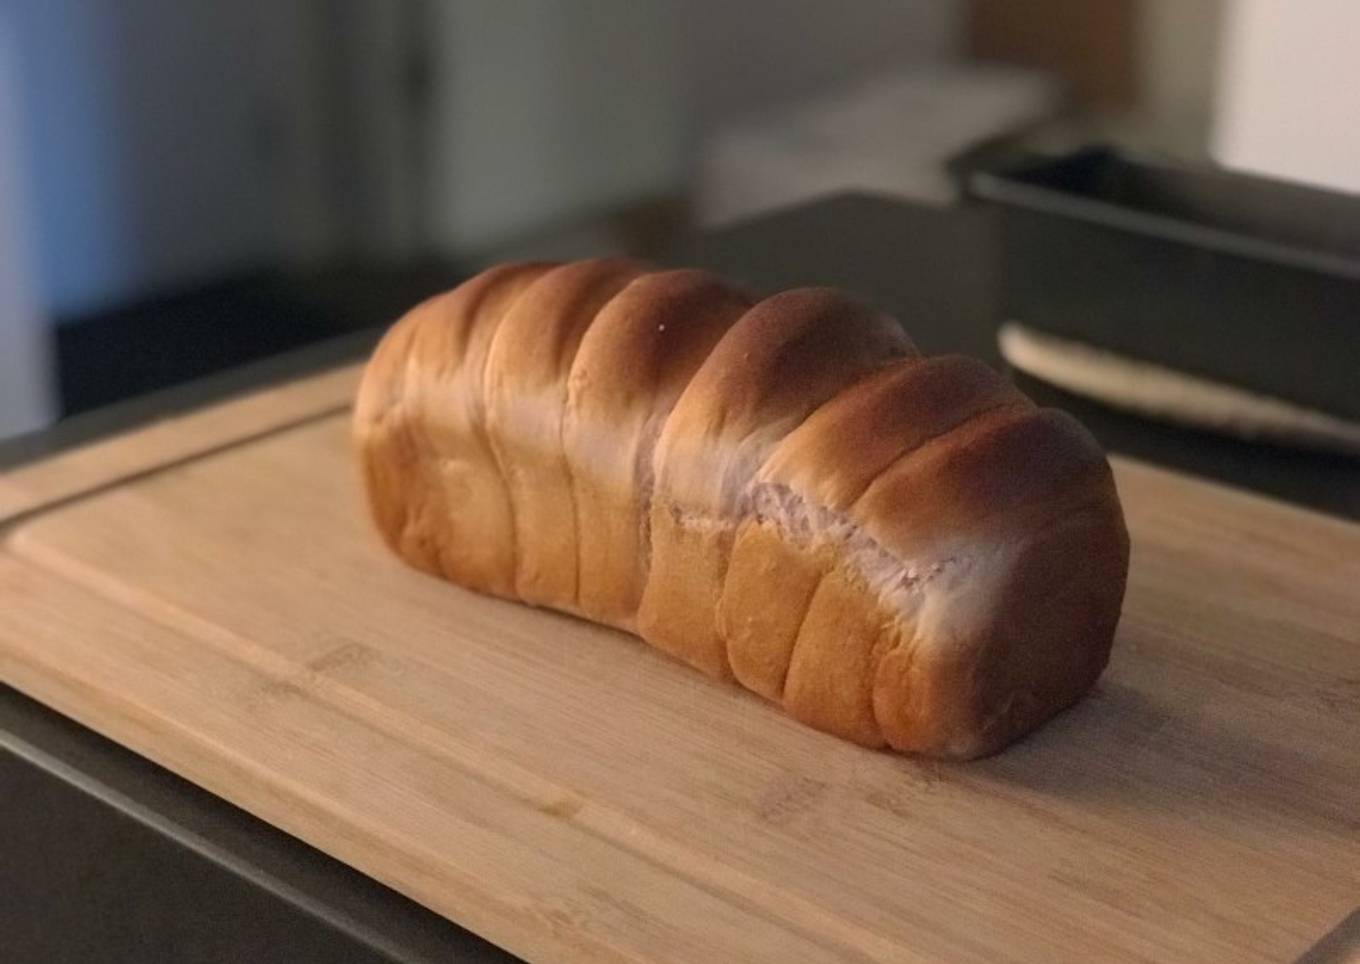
(526, 399)
(432, 479)
(829, 683)
(1024, 499)
(760, 638)
(901, 551)
(1026, 638)
(828, 462)
(784, 358)
(634, 361)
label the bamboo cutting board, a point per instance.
(216, 600)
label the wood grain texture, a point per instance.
(111, 460)
(574, 795)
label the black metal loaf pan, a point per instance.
(1246, 280)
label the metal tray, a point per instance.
(1244, 279)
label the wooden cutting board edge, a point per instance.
(41, 487)
(163, 444)
(63, 673)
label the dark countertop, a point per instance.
(110, 857)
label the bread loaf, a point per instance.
(900, 550)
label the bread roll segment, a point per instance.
(634, 361)
(526, 399)
(793, 535)
(902, 551)
(783, 359)
(1015, 552)
(420, 421)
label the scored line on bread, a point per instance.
(901, 550)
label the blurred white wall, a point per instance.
(738, 60)
(175, 141)
(147, 144)
(1289, 91)
(25, 393)
(1180, 47)
(548, 109)
(544, 110)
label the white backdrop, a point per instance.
(25, 399)
(1289, 91)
